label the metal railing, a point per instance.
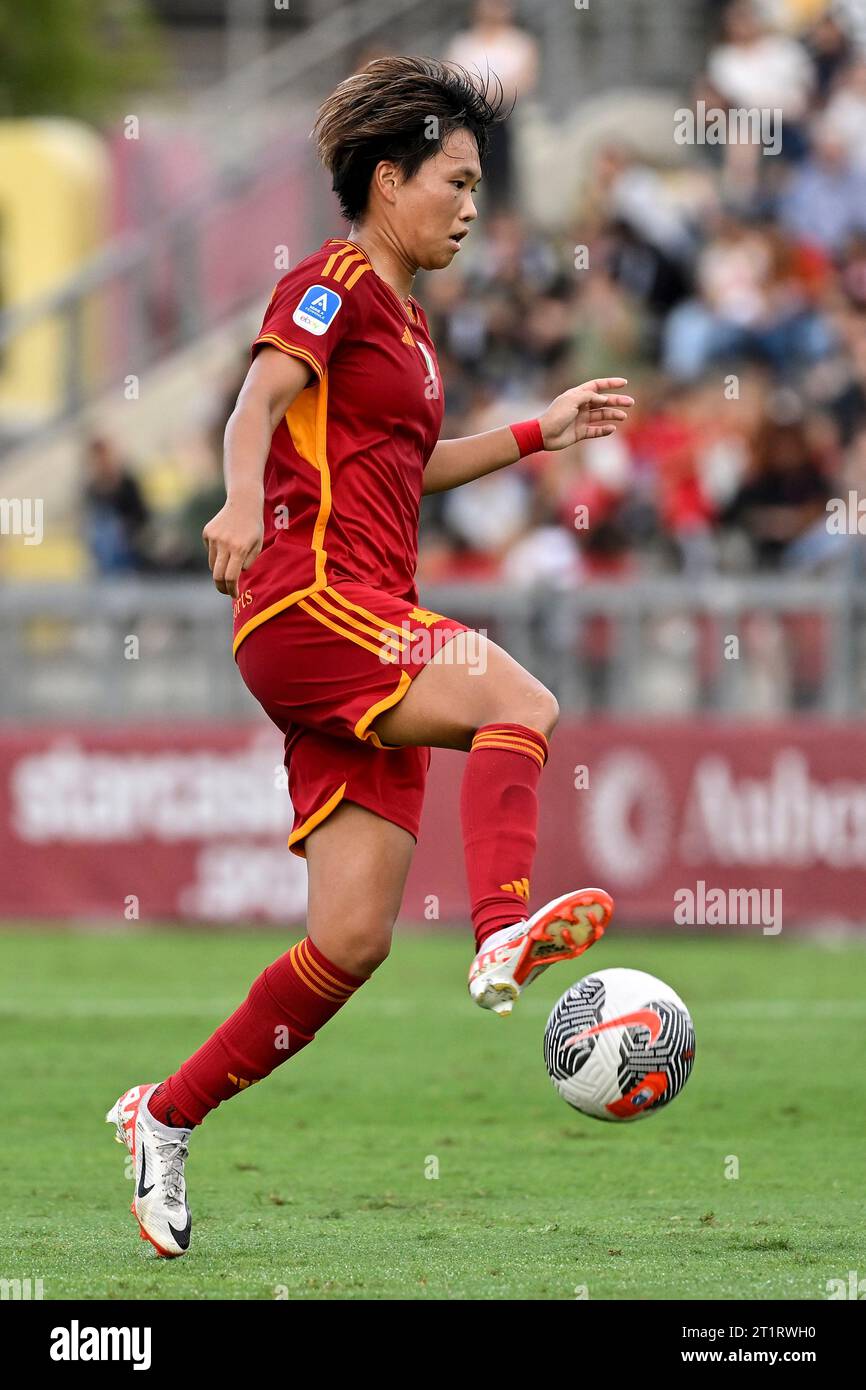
(141, 649)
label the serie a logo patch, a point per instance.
(318, 309)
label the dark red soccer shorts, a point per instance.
(323, 669)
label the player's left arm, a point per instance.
(584, 412)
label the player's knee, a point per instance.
(363, 951)
(550, 713)
(537, 708)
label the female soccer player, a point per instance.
(333, 441)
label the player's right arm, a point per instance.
(234, 536)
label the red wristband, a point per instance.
(529, 437)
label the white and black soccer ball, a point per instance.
(619, 1044)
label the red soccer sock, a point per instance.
(285, 1007)
(499, 813)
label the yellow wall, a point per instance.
(54, 198)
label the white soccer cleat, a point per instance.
(159, 1202)
(512, 958)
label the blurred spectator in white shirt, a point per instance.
(755, 67)
(496, 44)
(844, 118)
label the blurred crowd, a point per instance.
(729, 287)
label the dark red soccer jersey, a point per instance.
(344, 475)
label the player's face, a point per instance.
(435, 208)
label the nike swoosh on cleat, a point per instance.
(182, 1237)
(142, 1190)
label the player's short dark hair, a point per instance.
(384, 111)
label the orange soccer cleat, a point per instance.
(513, 957)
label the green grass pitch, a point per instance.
(313, 1184)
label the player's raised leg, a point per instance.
(502, 716)
(357, 864)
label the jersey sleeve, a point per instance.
(311, 311)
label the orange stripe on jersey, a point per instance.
(362, 728)
(332, 260)
(379, 651)
(356, 275)
(273, 340)
(339, 262)
(353, 622)
(345, 263)
(407, 305)
(307, 422)
(325, 499)
(365, 612)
